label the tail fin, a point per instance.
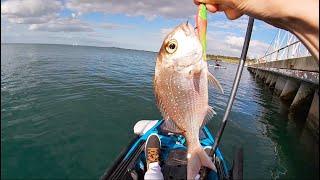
(197, 158)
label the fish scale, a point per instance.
(181, 91)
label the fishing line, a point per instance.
(233, 91)
(235, 84)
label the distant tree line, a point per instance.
(230, 59)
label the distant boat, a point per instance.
(217, 66)
(220, 67)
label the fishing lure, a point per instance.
(201, 21)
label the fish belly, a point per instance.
(184, 98)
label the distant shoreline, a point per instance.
(224, 60)
(227, 59)
(210, 57)
(80, 46)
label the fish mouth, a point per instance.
(181, 66)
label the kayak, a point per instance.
(131, 163)
(220, 67)
(217, 66)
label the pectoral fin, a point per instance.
(213, 81)
(169, 126)
(196, 80)
(209, 116)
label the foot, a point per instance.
(152, 149)
(207, 149)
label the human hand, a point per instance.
(273, 12)
(299, 17)
(228, 6)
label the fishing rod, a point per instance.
(235, 84)
(233, 91)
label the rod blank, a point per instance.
(235, 85)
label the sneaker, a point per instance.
(152, 149)
(207, 149)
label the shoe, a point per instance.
(207, 149)
(152, 149)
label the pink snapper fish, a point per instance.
(181, 91)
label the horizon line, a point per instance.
(78, 45)
(102, 47)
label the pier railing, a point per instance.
(292, 50)
(284, 46)
(292, 73)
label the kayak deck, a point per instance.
(131, 164)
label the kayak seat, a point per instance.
(175, 166)
(167, 131)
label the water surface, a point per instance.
(67, 111)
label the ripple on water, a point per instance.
(61, 104)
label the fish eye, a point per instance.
(171, 46)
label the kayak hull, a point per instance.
(131, 163)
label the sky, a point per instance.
(138, 24)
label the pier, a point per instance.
(293, 75)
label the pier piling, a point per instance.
(313, 116)
(305, 91)
(273, 81)
(295, 81)
(290, 89)
(281, 82)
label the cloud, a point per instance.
(235, 24)
(234, 41)
(165, 31)
(256, 49)
(150, 9)
(37, 19)
(73, 15)
(109, 26)
(30, 20)
(62, 25)
(238, 24)
(226, 43)
(30, 11)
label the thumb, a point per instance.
(232, 13)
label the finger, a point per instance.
(212, 7)
(223, 7)
(205, 1)
(229, 3)
(196, 2)
(212, 1)
(232, 14)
